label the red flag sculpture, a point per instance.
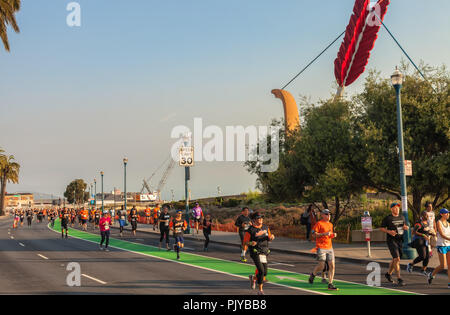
(359, 40)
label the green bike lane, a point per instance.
(275, 276)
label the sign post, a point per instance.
(187, 160)
(366, 223)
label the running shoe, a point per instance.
(261, 293)
(425, 273)
(324, 281)
(430, 278)
(311, 278)
(243, 259)
(332, 287)
(106, 250)
(409, 268)
(101, 247)
(252, 282)
(401, 283)
(389, 278)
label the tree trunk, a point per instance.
(2, 195)
(337, 214)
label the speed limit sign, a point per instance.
(186, 156)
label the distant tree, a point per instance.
(9, 173)
(76, 191)
(8, 9)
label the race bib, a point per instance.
(400, 230)
(263, 259)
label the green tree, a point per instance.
(9, 173)
(426, 123)
(8, 9)
(330, 150)
(76, 191)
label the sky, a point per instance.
(76, 100)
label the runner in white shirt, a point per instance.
(442, 245)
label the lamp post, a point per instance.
(101, 173)
(397, 81)
(125, 161)
(95, 193)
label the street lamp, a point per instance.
(125, 161)
(101, 173)
(397, 81)
(95, 193)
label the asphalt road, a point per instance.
(33, 260)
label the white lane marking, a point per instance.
(289, 278)
(188, 248)
(92, 278)
(278, 263)
(42, 256)
(21, 244)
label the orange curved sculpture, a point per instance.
(291, 116)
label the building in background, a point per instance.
(19, 200)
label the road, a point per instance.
(33, 260)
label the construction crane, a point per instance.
(162, 182)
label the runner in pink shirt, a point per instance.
(105, 223)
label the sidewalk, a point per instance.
(354, 253)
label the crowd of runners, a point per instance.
(255, 236)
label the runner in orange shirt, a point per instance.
(148, 215)
(84, 218)
(323, 232)
(156, 214)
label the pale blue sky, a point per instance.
(76, 100)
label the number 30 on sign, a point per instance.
(186, 156)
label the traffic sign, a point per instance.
(187, 156)
(408, 168)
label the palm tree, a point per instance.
(9, 172)
(8, 9)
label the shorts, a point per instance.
(396, 248)
(83, 221)
(63, 225)
(443, 250)
(325, 254)
(179, 239)
(197, 219)
(133, 225)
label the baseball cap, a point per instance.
(179, 211)
(325, 211)
(394, 204)
(257, 215)
(443, 211)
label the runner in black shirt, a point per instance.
(394, 226)
(29, 217)
(134, 217)
(207, 224)
(65, 217)
(243, 222)
(164, 220)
